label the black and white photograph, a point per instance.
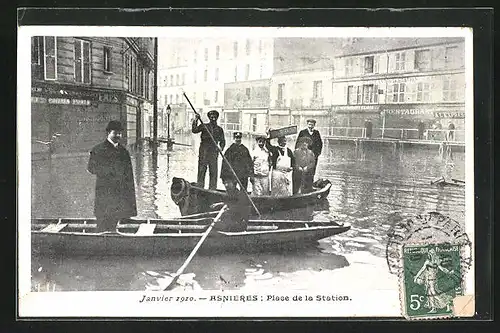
(244, 171)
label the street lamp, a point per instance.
(170, 142)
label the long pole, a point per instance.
(224, 157)
(155, 91)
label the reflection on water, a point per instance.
(369, 187)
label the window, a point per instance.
(107, 59)
(146, 84)
(195, 57)
(216, 74)
(171, 99)
(165, 101)
(400, 61)
(82, 61)
(449, 90)
(127, 66)
(205, 75)
(194, 77)
(349, 66)
(247, 92)
(36, 49)
(247, 47)
(423, 92)
(183, 81)
(206, 54)
(235, 49)
(176, 99)
(351, 95)
(216, 96)
(247, 71)
(281, 88)
(369, 64)
(177, 79)
(423, 59)
(217, 52)
(254, 124)
(451, 56)
(317, 89)
(205, 100)
(398, 92)
(171, 80)
(50, 58)
(359, 94)
(165, 80)
(370, 94)
(236, 73)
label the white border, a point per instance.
(125, 304)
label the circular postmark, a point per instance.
(427, 229)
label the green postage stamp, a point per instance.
(432, 278)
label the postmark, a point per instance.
(430, 253)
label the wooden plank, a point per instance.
(54, 228)
(146, 229)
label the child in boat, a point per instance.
(303, 172)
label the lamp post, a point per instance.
(170, 142)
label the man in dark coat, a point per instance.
(305, 160)
(114, 188)
(316, 141)
(239, 158)
(208, 153)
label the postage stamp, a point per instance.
(432, 277)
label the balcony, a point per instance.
(316, 102)
(280, 103)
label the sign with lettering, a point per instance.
(355, 108)
(407, 111)
(65, 93)
(59, 101)
(449, 114)
(283, 131)
(39, 100)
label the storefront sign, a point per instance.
(448, 114)
(80, 102)
(355, 108)
(59, 101)
(39, 100)
(407, 111)
(83, 96)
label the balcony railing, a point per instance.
(280, 103)
(316, 102)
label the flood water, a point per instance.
(370, 187)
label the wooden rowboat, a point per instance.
(75, 236)
(193, 199)
(443, 182)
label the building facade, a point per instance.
(201, 67)
(79, 84)
(400, 87)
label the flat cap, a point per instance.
(311, 121)
(237, 135)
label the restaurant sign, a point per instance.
(355, 108)
(68, 95)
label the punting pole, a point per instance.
(223, 157)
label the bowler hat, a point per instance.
(114, 125)
(213, 112)
(237, 135)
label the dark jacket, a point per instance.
(317, 142)
(274, 152)
(241, 161)
(114, 187)
(207, 144)
(304, 158)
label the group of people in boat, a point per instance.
(271, 169)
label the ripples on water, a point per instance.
(369, 188)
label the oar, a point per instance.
(458, 180)
(223, 157)
(191, 255)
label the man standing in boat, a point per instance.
(114, 188)
(303, 171)
(208, 153)
(239, 158)
(261, 167)
(316, 142)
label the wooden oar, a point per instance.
(191, 255)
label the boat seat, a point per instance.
(54, 228)
(146, 229)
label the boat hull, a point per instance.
(192, 199)
(117, 244)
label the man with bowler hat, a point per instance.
(316, 142)
(208, 153)
(115, 187)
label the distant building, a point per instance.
(397, 87)
(80, 83)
